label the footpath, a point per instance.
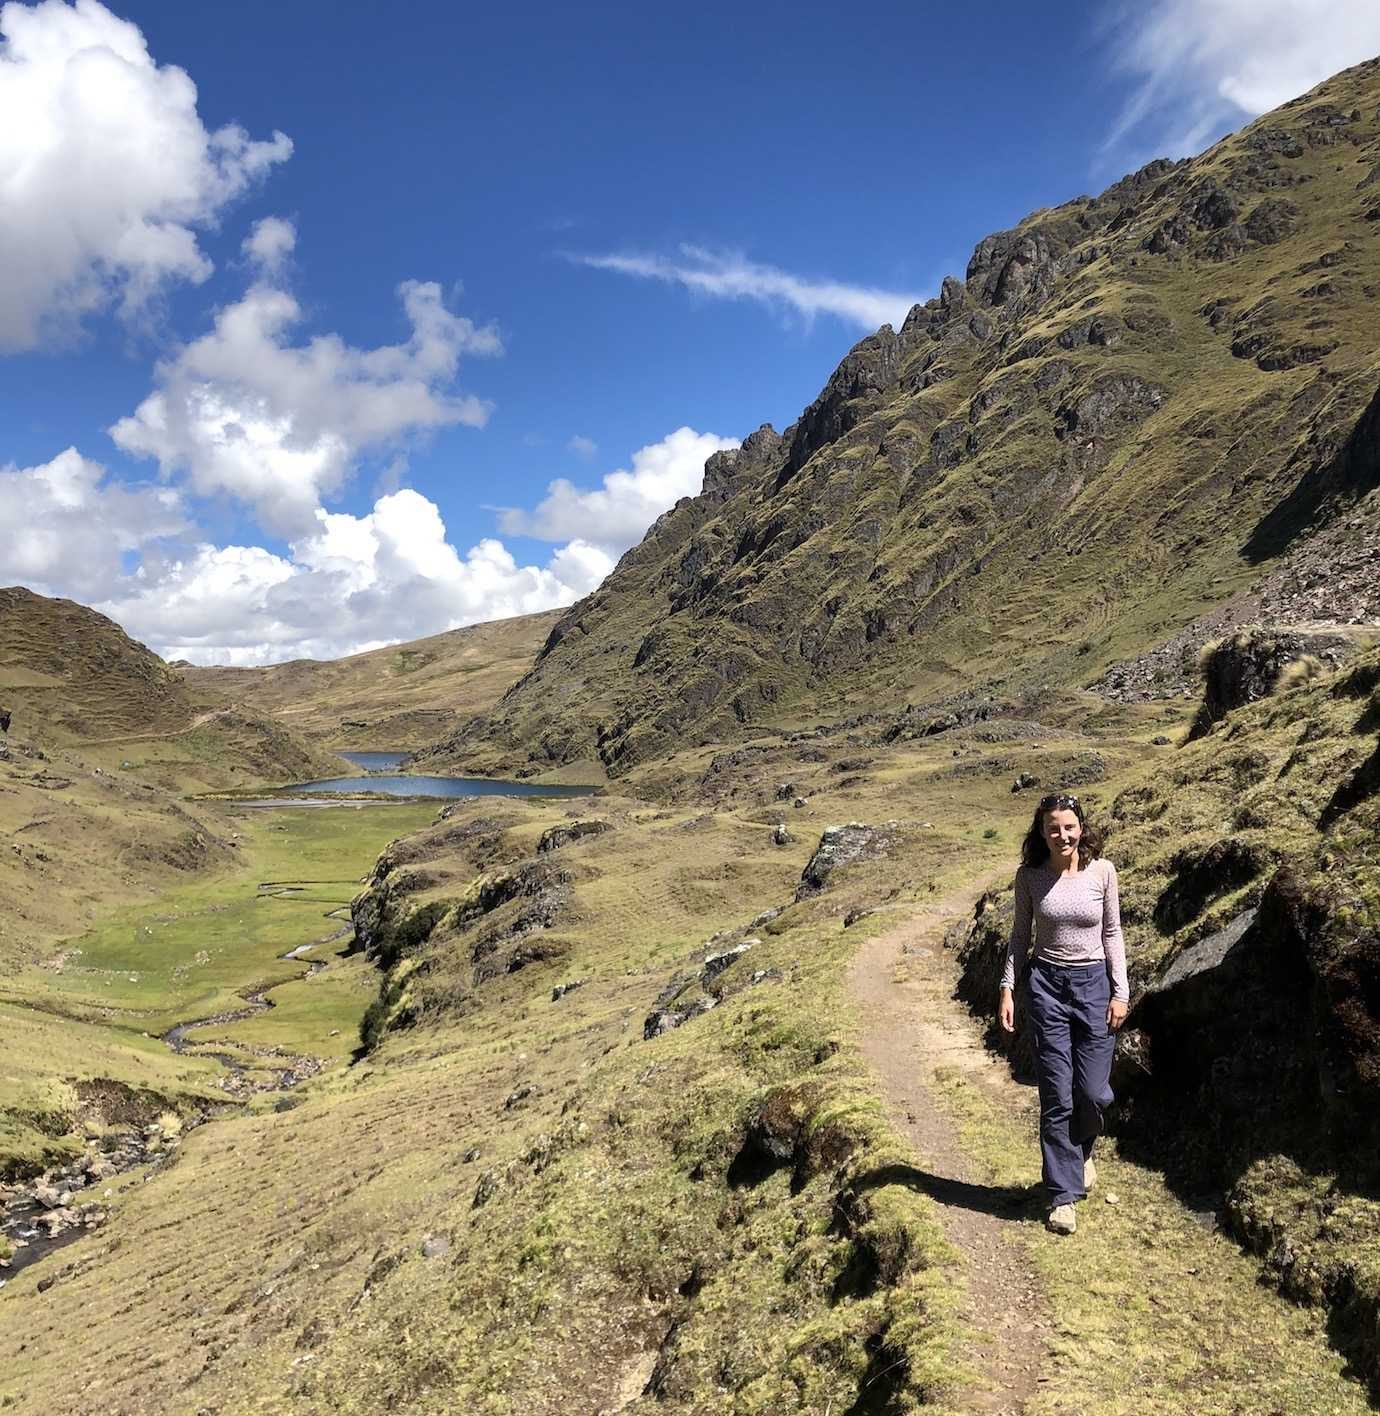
(1147, 1309)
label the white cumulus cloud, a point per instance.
(582, 447)
(65, 527)
(245, 412)
(269, 244)
(1204, 66)
(341, 583)
(106, 170)
(352, 583)
(614, 515)
(724, 275)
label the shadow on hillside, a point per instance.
(1358, 786)
(1256, 1106)
(1354, 471)
(1265, 1210)
(1001, 1201)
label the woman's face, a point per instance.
(1062, 834)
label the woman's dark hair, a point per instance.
(1034, 851)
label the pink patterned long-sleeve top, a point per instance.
(1068, 919)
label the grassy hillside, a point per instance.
(72, 679)
(105, 747)
(1135, 409)
(69, 673)
(403, 696)
(85, 1022)
(519, 1199)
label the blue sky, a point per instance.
(452, 253)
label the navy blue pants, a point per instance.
(1073, 1061)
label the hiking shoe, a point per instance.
(1089, 1174)
(1062, 1219)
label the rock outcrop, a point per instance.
(841, 846)
(1247, 666)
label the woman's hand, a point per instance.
(1006, 1011)
(1116, 1014)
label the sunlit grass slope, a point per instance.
(403, 696)
(518, 1202)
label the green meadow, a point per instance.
(99, 1005)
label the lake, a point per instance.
(405, 785)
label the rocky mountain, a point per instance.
(1138, 413)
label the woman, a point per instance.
(1066, 898)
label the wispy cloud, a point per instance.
(1202, 66)
(727, 275)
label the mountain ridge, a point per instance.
(398, 696)
(1153, 395)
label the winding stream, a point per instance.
(25, 1217)
(34, 1217)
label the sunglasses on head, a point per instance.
(1059, 801)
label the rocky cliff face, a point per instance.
(1132, 406)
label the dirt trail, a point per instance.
(913, 1030)
(198, 721)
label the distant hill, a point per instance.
(1139, 414)
(71, 673)
(402, 696)
(73, 678)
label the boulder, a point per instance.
(1263, 1039)
(715, 964)
(486, 1187)
(663, 1020)
(840, 846)
(1249, 665)
(787, 1130)
(559, 836)
(1200, 980)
